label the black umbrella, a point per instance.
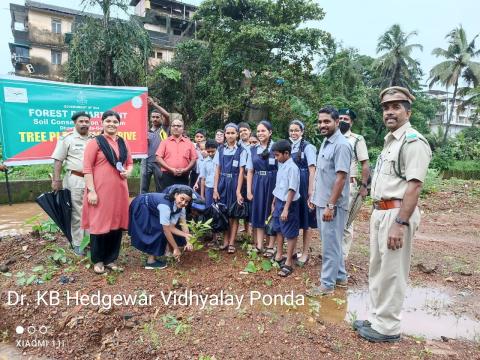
(58, 206)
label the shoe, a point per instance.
(158, 264)
(301, 263)
(78, 251)
(320, 291)
(357, 324)
(368, 333)
(342, 283)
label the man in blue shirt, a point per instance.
(330, 197)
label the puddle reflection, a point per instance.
(13, 218)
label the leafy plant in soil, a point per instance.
(45, 229)
(198, 229)
(171, 322)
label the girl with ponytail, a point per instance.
(261, 178)
(304, 155)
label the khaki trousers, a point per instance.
(74, 184)
(388, 272)
(348, 232)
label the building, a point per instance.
(168, 22)
(460, 119)
(41, 31)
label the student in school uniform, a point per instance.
(207, 173)
(261, 176)
(245, 132)
(230, 161)
(285, 209)
(199, 140)
(304, 155)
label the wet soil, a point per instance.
(441, 317)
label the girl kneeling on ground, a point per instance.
(153, 224)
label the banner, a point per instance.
(34, 114)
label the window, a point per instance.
(56, 26)
(56, 57)
(22, 52)
(159, 55)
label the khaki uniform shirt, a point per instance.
(359, 147)
(70, 149)
(414, 159)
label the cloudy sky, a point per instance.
(354, 23)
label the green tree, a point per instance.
(458, 64)
(396, 65)
(108, 51)
(261, 57)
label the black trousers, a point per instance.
(169, 179)
(147, 170)
(105, 247)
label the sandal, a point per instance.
(269, 253)
(231, 249)
(223, 247)
(98, 268)
(280, 262)
(285, 271)
(257, 250)
(114, 267)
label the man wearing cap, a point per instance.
(69, 151)
(360, 154)
(396, 184)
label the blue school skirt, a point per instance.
(262, 188)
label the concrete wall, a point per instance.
(43, 21)
(28, 190)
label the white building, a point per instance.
(460, 120)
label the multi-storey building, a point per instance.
(460, 119)
(41, 33)
(168, 22)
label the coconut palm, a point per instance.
(458, 64)
(396, 66)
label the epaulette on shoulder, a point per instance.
(411, 135)
(64, 136)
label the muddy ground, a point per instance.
(445, 257)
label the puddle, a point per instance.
(427, 312)
(12, 218)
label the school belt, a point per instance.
(262, 173)
(78, 173)
(227, 175)
(387, 204)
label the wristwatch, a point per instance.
(401, 222)
(331, 206)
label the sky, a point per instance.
(354, 23)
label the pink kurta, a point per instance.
(111, 211)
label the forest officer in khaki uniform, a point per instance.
(360, 155)
(69, 151)
(396, 184)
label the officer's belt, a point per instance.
(78, 173)
(387, 204)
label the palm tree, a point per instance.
(396, 66)
(458, 64)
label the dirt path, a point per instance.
(444, 278)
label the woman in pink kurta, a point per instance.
(107, 164)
